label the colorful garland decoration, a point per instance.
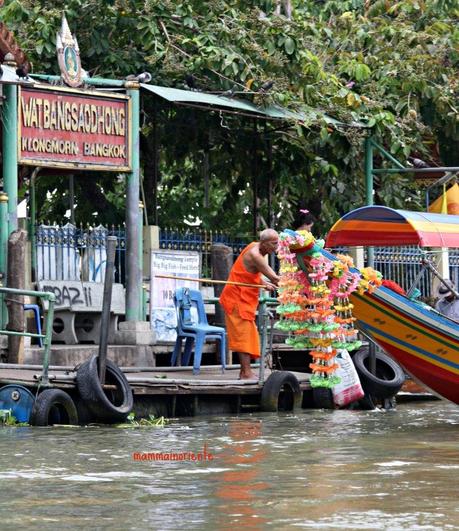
(315, 306)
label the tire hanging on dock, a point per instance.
(389, 376)
(53, 406)
(107, 405)
(281, 392)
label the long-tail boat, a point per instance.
(422, 340)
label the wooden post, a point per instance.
(15, 304)
(222, 261)
(106, 304)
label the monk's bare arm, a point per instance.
(256, 263)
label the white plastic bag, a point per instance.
(349, 389)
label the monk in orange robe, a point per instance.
(240, 302)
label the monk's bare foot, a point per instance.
(246, 372)
(247, 375)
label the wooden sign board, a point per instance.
(69, 128)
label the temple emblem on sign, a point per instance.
(68, 56)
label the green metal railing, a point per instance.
(263, 329)
(263, 323)
(44, 380)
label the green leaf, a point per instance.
(371, 122)
(289, 45)
(362, 72)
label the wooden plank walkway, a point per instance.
(157, 381)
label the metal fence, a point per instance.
(76, 253)
(403, 265)
(200, 241)
(454, 265)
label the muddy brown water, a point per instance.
(315, 469)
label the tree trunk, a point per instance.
(15, 304)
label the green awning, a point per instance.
(194, 98)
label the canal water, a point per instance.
(315, 469)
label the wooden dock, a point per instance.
(168, 391)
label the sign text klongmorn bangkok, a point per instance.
(73, 129)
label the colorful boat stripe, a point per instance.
(379, 225)
(408, 320)
(409, 347)
(438, 380)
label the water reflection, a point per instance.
(238, 488)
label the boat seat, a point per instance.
(192, 326)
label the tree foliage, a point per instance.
(389, 65)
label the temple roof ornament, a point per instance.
(68, 55)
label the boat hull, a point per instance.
(425, 343)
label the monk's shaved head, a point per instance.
(268, 234)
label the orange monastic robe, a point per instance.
(240, 305)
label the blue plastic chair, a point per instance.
(36, 311)
(194, 328)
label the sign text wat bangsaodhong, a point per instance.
(68, 128)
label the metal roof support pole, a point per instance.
(10, 180)
(33, 221)
(155, 163)
(450, 171)
(386, 154)
(94, 81)
(142, 314)
(369, 191)
(133, 247)
(254, 164)
(10, 153)
(269, 171)
(369, 185)
(3, 248)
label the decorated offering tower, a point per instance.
(314, 301)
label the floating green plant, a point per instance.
(8, 419)
(150, 421)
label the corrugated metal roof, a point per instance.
(195, 98)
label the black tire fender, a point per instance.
(281, 383)
(389, 376)
(53, 406)
(108, 406)
(323, 398)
